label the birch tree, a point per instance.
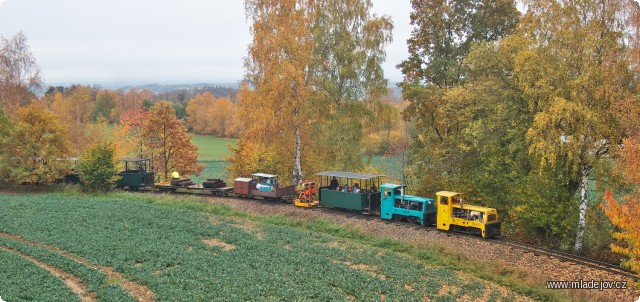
(273, 110)
(19, 73)
(312, 67)
(75, 109)
(574, 74)
(349, 49)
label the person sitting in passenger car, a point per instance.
(334, 183)
(356, 188)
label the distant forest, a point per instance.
(172, 92)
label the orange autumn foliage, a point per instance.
(165, 138)
(75, 109)
(210, 115)
(130, 100)
(127, 136)
(624, 213)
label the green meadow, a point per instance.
(213, 148)
(212, 152)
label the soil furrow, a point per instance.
(137, 291)
(72, 282)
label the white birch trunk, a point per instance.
(582, 220)
(297, 167)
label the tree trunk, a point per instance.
(582, 220)
(297, 167)
(164, 152)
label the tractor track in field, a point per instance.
(74, 283)
(138, 291)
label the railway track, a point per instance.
(538, 251)
(562, 256)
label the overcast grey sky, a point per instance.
(152, 41)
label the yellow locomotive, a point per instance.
(453, 214)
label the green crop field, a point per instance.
(182, 249)
(213, 148)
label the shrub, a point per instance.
(97, 168)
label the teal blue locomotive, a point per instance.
(398, 206)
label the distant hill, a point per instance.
(163, 88)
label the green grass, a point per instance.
(212, 169)
(157, 241)
(213, 148)
(212, 152)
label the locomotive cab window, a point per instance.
(444, 200)
(491, 217)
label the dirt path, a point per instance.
(533, 269)
(137, 291)
(72, 282)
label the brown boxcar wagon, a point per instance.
(262, 185)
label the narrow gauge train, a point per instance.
(448, 212)
(337, 189)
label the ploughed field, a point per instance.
(133, 247)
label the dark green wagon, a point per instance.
(137, 173)
(350, 191)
